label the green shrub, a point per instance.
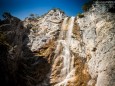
(80, 15)
(34, 28)
(29, 26)
(3, 39)
(87, 6)
(7, 15)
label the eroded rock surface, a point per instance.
(18, 65)
(99, 46)
(57, 50)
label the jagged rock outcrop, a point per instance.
(46, 28)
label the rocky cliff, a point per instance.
(57, 50)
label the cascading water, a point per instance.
(65, 42)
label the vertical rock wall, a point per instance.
(98, 33)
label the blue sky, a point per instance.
(23, 8)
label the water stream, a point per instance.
(65, 42)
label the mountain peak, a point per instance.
(56, 11)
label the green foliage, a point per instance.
(33, 16)
(7, 15)
(80, 15)
(29, 26)
(55, 9)
(3, 39)
(34, 28)
(87, 5)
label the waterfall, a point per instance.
(65, 42)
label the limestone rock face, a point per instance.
(92, 51)
(99, 44)
(57, 50)
(44, 34)
(46, 28)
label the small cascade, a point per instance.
(64, 42)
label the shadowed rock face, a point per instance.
(18, 65)
(3, 65)
(56, 50)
